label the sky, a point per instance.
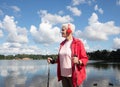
(34, 26)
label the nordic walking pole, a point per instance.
(76, 72)
(48, 67)
(51, 61)
(48, 75)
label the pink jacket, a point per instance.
(78, 74)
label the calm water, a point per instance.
(34, 73)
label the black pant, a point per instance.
(67, 82)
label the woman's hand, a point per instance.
(76, 60)
(49, 60)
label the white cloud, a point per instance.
(74, 10)
(1, 33)
(93, 19)
(1, 25)
(54, 19)
(99, 31)
(46, 33)
(85, 44)
(116, 43)
(100, 10)
(12, 8)
(118, 2)
(61, 12)
(77, 2)
(17, 48)
(15, 8)
(15, 33)
(16, 37)
(79, 34)
(1, 12)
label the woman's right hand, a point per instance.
(49, 60)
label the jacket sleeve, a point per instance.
(82, 54)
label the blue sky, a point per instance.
(33, 26)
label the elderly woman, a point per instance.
(72, 59)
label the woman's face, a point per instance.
(63, 32)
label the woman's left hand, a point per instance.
(76, 60)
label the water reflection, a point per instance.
(104, 65)
(33, 73)
(102, 74)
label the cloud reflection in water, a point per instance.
(25, 73)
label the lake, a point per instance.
(34, 73)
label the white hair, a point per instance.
(72, 26)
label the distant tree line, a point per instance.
(95, 55)
(105, 55)
(31, 56)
